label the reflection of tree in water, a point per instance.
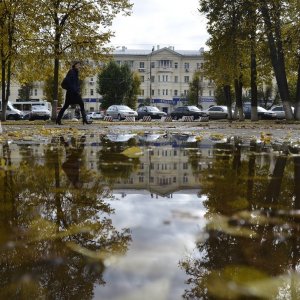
(74, 157)
(54, 240)
(252, 232)
(114, 165)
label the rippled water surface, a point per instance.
(149, 216)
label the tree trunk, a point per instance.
(296, 181)
(277, 56)
(226, 89)
(297, 104)
(238, 85)
(3, 77)
(274, 187)
(254, 115)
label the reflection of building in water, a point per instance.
(163, 170)
(164, 166)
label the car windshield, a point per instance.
(150, 108)
(124, 107)
(261, 109)
(194, 108)
(38, 107)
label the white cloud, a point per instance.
(161, 22)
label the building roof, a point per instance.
(146, 52)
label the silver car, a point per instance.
(120, 112)
(279, 111)
(217, 112)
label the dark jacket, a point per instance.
(73, 87)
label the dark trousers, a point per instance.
(71, 99)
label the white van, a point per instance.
(11, 112)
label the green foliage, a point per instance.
(194, 89)
(25, 90)
(118, 85)
(48, 90)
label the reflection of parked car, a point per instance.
(120, 112)
(262, 113)
(217, 112)
(39, 112)
(95, 116)
(181, 111)
(150, 111)
(120, 137)
(279, 111)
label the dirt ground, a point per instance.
(277, 129)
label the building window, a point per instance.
(185, 166)
(142, 93)
(158, 78)
(185, 92)
(176, 65)
(142, 65)
(166, 92)
(209, 92)
(164, 63)
(152, 78)
(186, 66)
(186, 79)
(142, 78)
(152, 64)
(158, 92)
(91, 92)
(152, 92)
(176, 79)
(175, 92)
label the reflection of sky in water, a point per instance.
(164, 231)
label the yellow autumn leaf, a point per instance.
(133, 152)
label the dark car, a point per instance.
(262, 113)
(150, 111)
(181, 111)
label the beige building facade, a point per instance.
(165, 75)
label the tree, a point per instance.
(25, 91)
(72, 29)
(194, 89)
(117, 85)
(131, 99)
(12, 30)
(48, 90)
(272, 13)
(225, 61)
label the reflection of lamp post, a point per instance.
(151, 75)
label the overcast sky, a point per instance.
(161, 22)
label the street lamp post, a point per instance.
(151, 75)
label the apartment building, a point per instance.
(165, 75)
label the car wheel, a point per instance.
(119, 117)
(175, 118)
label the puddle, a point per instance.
(149, 216)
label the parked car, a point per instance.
(11, 112)
(120, 112)
(150, 111)
(279, 111)
(181, 111)
(261, 112)
(39, 112)
(95, 115)
(217, 112)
